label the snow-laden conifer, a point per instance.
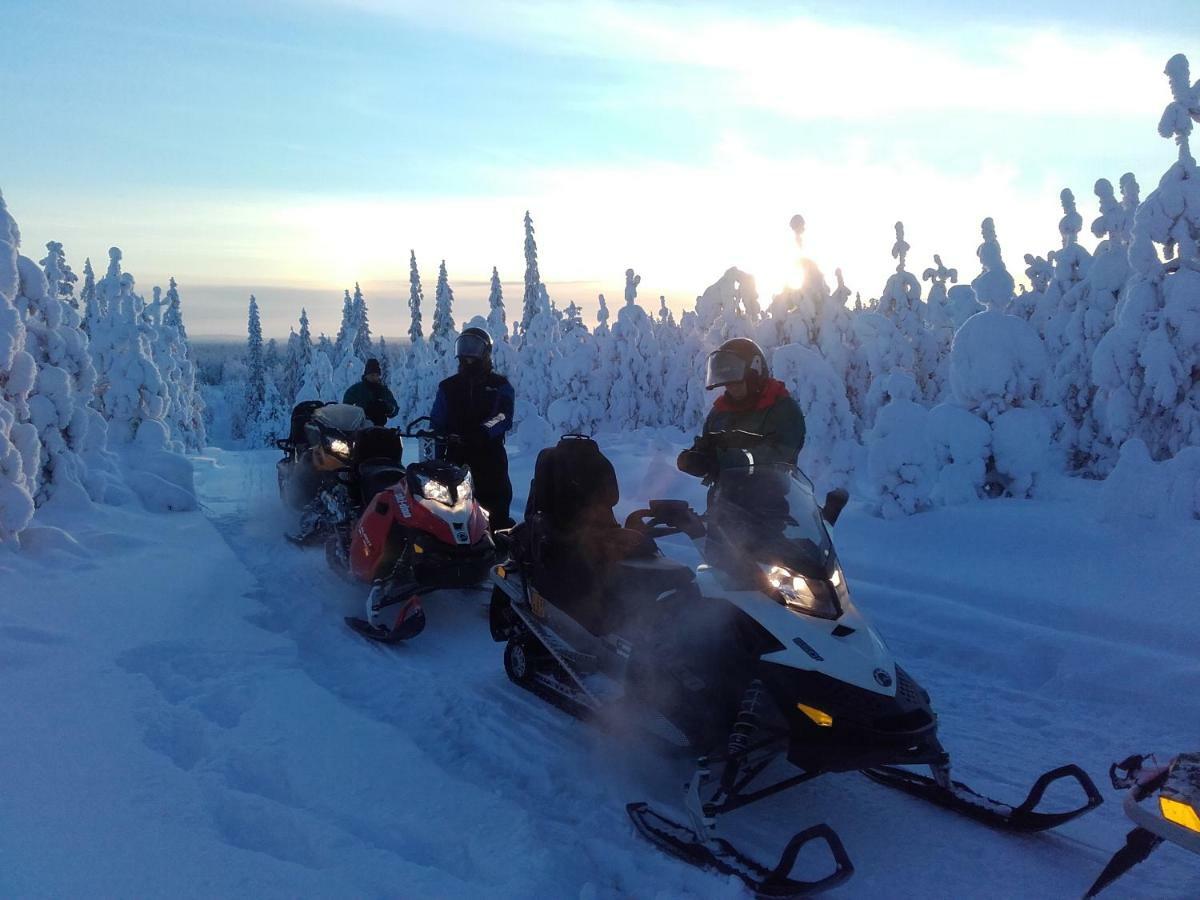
(20, 450)
(1146, 367)
(443, 335)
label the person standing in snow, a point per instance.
(756, 417)
(372, 395)
(476, 407)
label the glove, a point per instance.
(695, 462)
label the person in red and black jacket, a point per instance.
(756, 418)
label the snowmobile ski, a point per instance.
(1139, 844)
(408, 623)
(717, 854)
(956, 796)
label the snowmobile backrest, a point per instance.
(380, 444)
(301, 413)
(574, 485)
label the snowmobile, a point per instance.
(1176, 787)
(757, 658)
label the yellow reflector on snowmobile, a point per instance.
(824, 719)
(1179, 813)
(417, 548)
(501, 572)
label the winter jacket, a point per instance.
(477, 409)
(376, 400)
(773, 414)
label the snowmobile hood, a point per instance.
(846, 648)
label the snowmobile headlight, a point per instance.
(809, 596)
(1180, 813)
(338, 447)
(434, 490)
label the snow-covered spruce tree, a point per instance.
(532, 300)
(256, 375)
(317, 381)
(58, 273)
(347, 330)
(602, 317)
(578, 407)
(87, 296)
(20, 450)
(940, 319)
(998, 369)
(443, 334)
(901, 302)
(496, 320)
(130, 389)
(362, 336)
(536, 360)
(384, 354)
(56, 408)
(1027, 303)
(325, 345)
(1147, 367)
(1070, 267)
(633, 398)
(415, 334)
(1092, 303)
(185, 418)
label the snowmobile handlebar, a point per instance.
(665, 518)
(411, 431)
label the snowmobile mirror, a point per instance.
(835, 502)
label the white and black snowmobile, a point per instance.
(757, 658)
(1173, 814)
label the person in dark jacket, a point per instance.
(756, 417)
(372, 395)
(476, 406)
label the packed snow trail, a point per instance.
(195, 720)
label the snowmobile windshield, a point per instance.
(470, 346)
(768, 515)
(723, 368)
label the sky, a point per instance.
(290, 148)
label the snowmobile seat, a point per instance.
(377, 475)
(583, 560)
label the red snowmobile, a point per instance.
(404, 531)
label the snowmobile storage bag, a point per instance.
(301, 413)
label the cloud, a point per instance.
(805, 67)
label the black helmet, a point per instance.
(473, 343)
(736, 360)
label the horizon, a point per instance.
(290, 148)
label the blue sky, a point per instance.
(291, 148)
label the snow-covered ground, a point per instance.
(184, 713)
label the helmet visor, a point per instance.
(724, 367)
(470, 346)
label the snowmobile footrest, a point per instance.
(719, 855)
(961, 799)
